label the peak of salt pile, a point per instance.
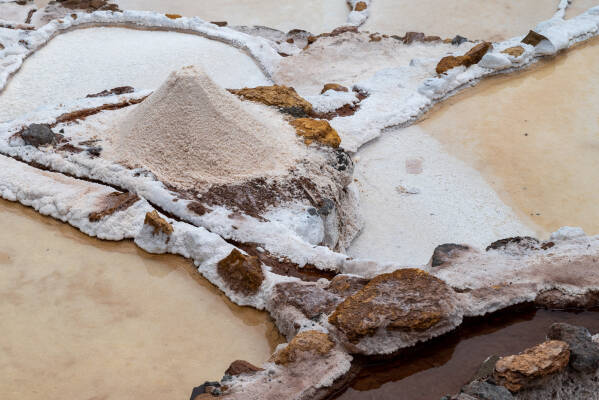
(191, 131)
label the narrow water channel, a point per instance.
(88, 319)
(444, 365)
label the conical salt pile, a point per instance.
(191, 131)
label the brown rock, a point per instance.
(159, 224)
(473, 56)
(309, 299)
(334, 86)
(286, 98)
(115, 91)
(239, 367)
(411, 37)
(432, 39)
(220, 23)
(360, 6)
(533, 38)
(405, 300)
(1, 46)
(374, 37)
(242, 273)
(529, 368)
(112, 203)
(515, 51)
(316, 130)
(173, 16)
(346, 285)
(304, 345)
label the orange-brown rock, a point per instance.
(112, 203)
(515, 51)
(284, 97)
(374, 37)
(346, 285)
(239, 367)
(316, 130)
(533, 38)
(529, 368)
(304, 345)
(473, 56)
(334, 86)
(173, 16)
(90, 5)
(159, 224)
(405, 300)
(242, 273)
(360, 6)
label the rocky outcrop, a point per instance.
(533, 38)
(316, 130)
(395, 310)
(515, 51)
(473, 56)
(334, 86)
(38, 135)
(305, 345)
(584, 352)
(283, 97)
(533, 366)
(239, 367)
(445, 252)
(159, 224)
(242, 273)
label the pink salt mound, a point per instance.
(191, 131)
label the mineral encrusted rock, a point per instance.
(487, 391)
(242, 273)
(445, 252)
(306, 344)
(473, 56)
(395, 310)
(533, 38)
(533, 366)
(283, 97)
(360, 6)
(112, 203)
(316, 130)
(159, 224)
(334, 86)
(239, 367)
(584, 352)
(515, 51)
(38, 135)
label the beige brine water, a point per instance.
(534, 136)
(87, 319)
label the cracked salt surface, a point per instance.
(90, 319)
(91, 60)
(478, 20)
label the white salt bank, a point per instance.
(192, 131)
(87, 319)
(475, 19)
(315, 16)
(86, 61)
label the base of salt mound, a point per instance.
(191, 131)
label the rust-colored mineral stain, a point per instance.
(89, 319)
(534, 136)
(443, 365)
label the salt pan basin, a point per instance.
(69, 67)
(316, 16)
(534, 137)
(475, 19)
(87, 319)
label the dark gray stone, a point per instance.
(458, 40)
(445, 252)
(584, 353)
(38, 135)
(486, 391)
(486, 369)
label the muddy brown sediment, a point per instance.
(113, 203)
